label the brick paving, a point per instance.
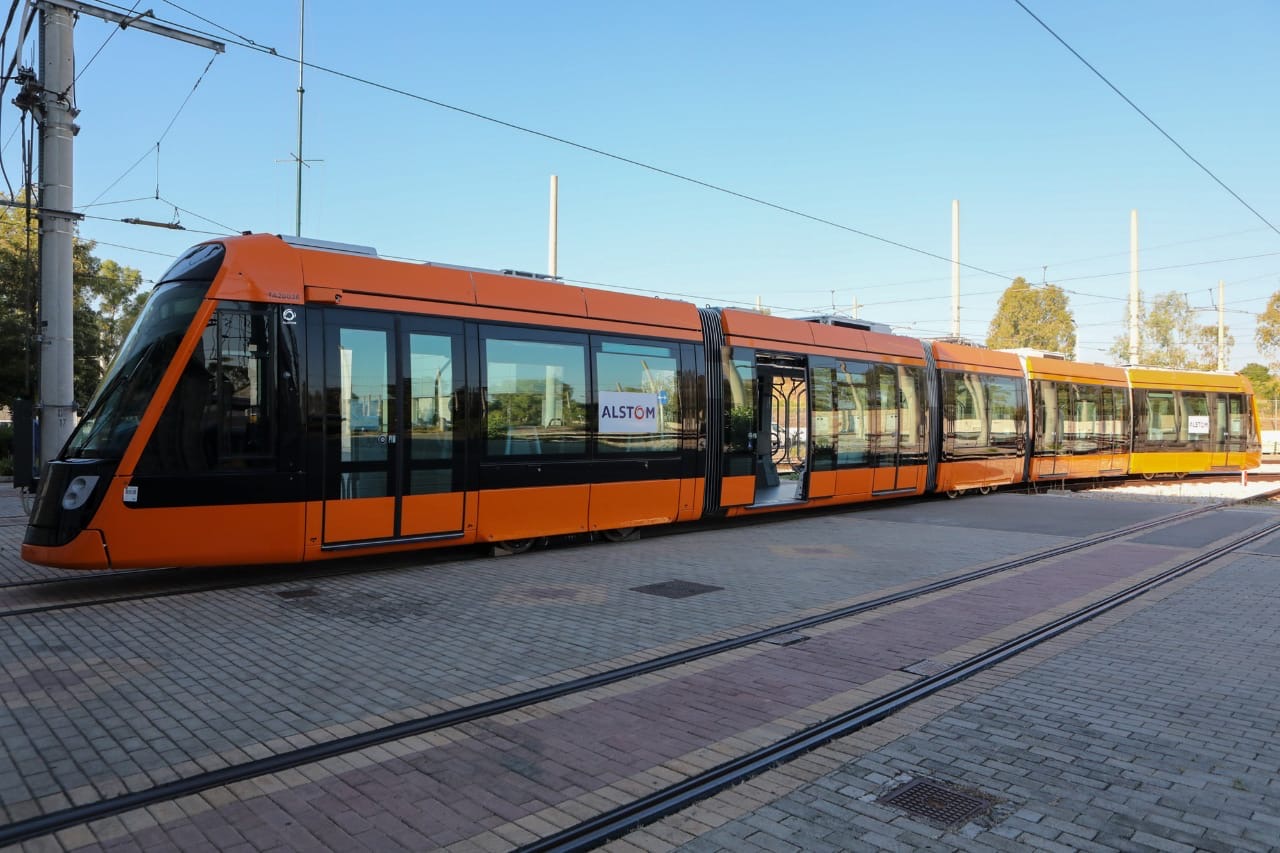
(123, 697)
(1153, 729)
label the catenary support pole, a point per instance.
(955, 268)
(553, 248)
(57, 132)
(57, 75)
(1133, 287)
(1222, 326)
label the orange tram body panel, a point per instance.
(281, 401)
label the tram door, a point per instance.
(885, 431)
(392, 462)
(1231, 428)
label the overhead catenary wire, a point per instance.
(252, 45)
(1149, 119)
(550, 137)
(160, 139)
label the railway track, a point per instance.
(609, 825)
(623, 819)
(26, 597)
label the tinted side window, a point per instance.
(535, 397)
(637, 397)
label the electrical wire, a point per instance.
(578, 145)
(1149, 119)
(160, 139)
(70, 89)
(250, 44)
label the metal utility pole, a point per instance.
(955, 268)
(57, 132)
(57, 228)
(1133, 287)
(553, 238)
(1222, 326)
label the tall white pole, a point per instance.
(302, 15)
(553, 232)
(955, 268)
(1133, 287)
(1222, 326)
(57, 374)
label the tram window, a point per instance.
(740, 410)
(1084, 427)
(221, 415)
(1115, 418)
(1194, 424)
(535, 398)
(1053, 404)
(1160, 420)
(964, 408)
(1236, 425)
(430, 413)
(826, 417)
(855, 396)
(245, 384)
(638, 398)
(1006, 410)
(913, 417)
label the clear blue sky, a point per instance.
(873, 115)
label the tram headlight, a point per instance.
(78, 491)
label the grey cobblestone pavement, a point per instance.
(122, 697)
(1155, 729)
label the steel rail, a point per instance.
(34, 827)
(652, 807)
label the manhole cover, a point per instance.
(936, 802)
(787, 639)
(676, 589)
(925, 667)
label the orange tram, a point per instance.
(281, 400)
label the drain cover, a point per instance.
(925, 667)
(787, 639)
(676, 589)
(936, 802)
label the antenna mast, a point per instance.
(302, 15)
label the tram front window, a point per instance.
(113, 414)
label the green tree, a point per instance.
(1266, 392)
(1267, 332)
(1033, 317)
(106, 302)
(17, 304)
(1168, 335)
(1120, 346)
(1206, 345)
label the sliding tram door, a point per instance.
(392, 461)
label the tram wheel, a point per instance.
(622, 534)
(517, 546)
(1148, 476)
(984, 490)
(953, 493)
(1181, 474)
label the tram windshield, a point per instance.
(113, 414)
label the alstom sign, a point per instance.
(628, 412)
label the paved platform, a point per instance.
(1153, 726)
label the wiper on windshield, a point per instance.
(93, 426)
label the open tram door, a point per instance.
(766, 411)
(393, 445)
